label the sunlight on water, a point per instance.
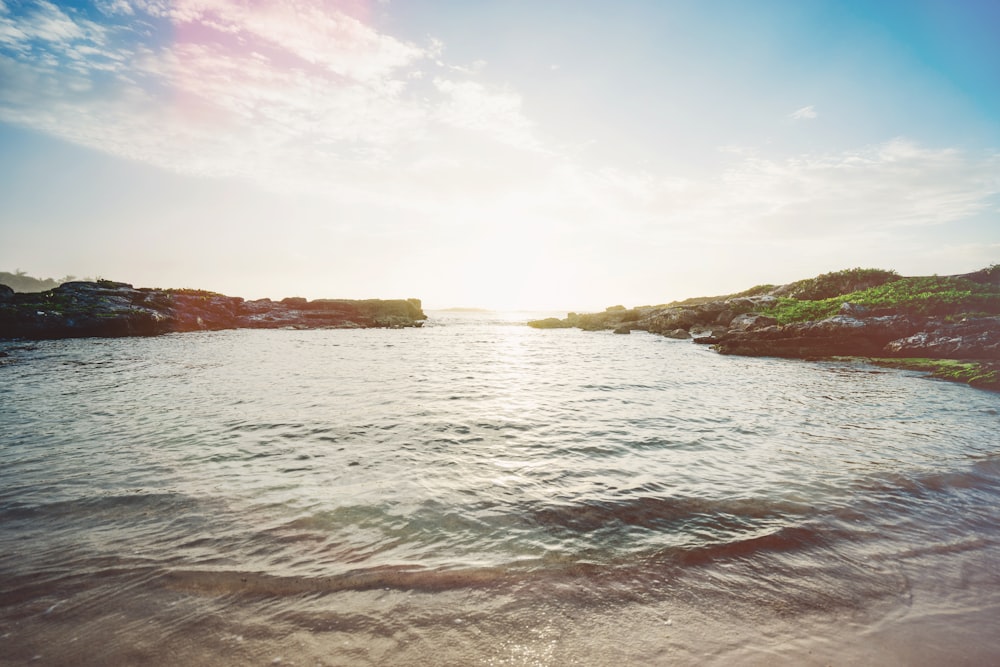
(479, 492)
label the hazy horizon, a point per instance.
(536, 156)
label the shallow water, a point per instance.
(479, 492)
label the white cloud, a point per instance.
(10, 34)
(295, 98)
(884, 187)
(493, 112)
(291, 94)
(112, 7)
(805, 113)
(309, 30)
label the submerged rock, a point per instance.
(679, 334)
(106, 308)
(551, 323)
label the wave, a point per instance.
(597, 571)
(659, 513)
(413, 578)
(100, 507)
(983, 474)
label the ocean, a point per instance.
(477, 492)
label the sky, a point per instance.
(544, 154)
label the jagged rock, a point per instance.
(623, 329)
(835, 336)
(673, 318)
(725, 317)
(881, 329)
(751, 321)
(6, 293)
(798, 347)
(744, 304)
(852, 309)
(105, 308)
(972, 338)
(708, 312)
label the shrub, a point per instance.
(931, 295)
(833, 284)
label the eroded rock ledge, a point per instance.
(106, 308)
(884, 336)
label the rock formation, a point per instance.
(952, 317)
(106, 308)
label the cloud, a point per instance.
(46, 23)
(805, 113)
(291, 94)
(299, 96)
(493, 112)
(112, 7)
(890, 186)
(308, 30)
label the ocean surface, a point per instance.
(476, 492)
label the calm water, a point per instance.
(477, 492)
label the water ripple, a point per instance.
(486, 465)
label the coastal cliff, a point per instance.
(111, 309)
(906, 322)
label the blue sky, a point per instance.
(507, 154)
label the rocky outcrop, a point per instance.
(106, 308)
(664, 320)
(836, 336)
(884, 336)
(743, 323)
(971, 338)
(751, 322)
(875, 314)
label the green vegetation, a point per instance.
(756, 290)
(975, 373)
(931, 295)
(829, 285)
